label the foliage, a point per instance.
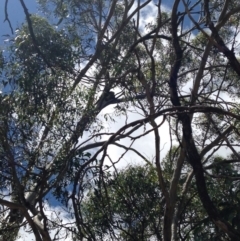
(125, 203)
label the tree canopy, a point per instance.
(87, 85)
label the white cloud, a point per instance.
(148, 14)
(145, 145)
(58, 215)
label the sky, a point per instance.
(15, 14)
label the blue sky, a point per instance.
(17, 17)
(15, 14)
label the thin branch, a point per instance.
(34, 40)
(6, 16)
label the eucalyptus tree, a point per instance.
(125, 205)
(128, 204)
(62, 69)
